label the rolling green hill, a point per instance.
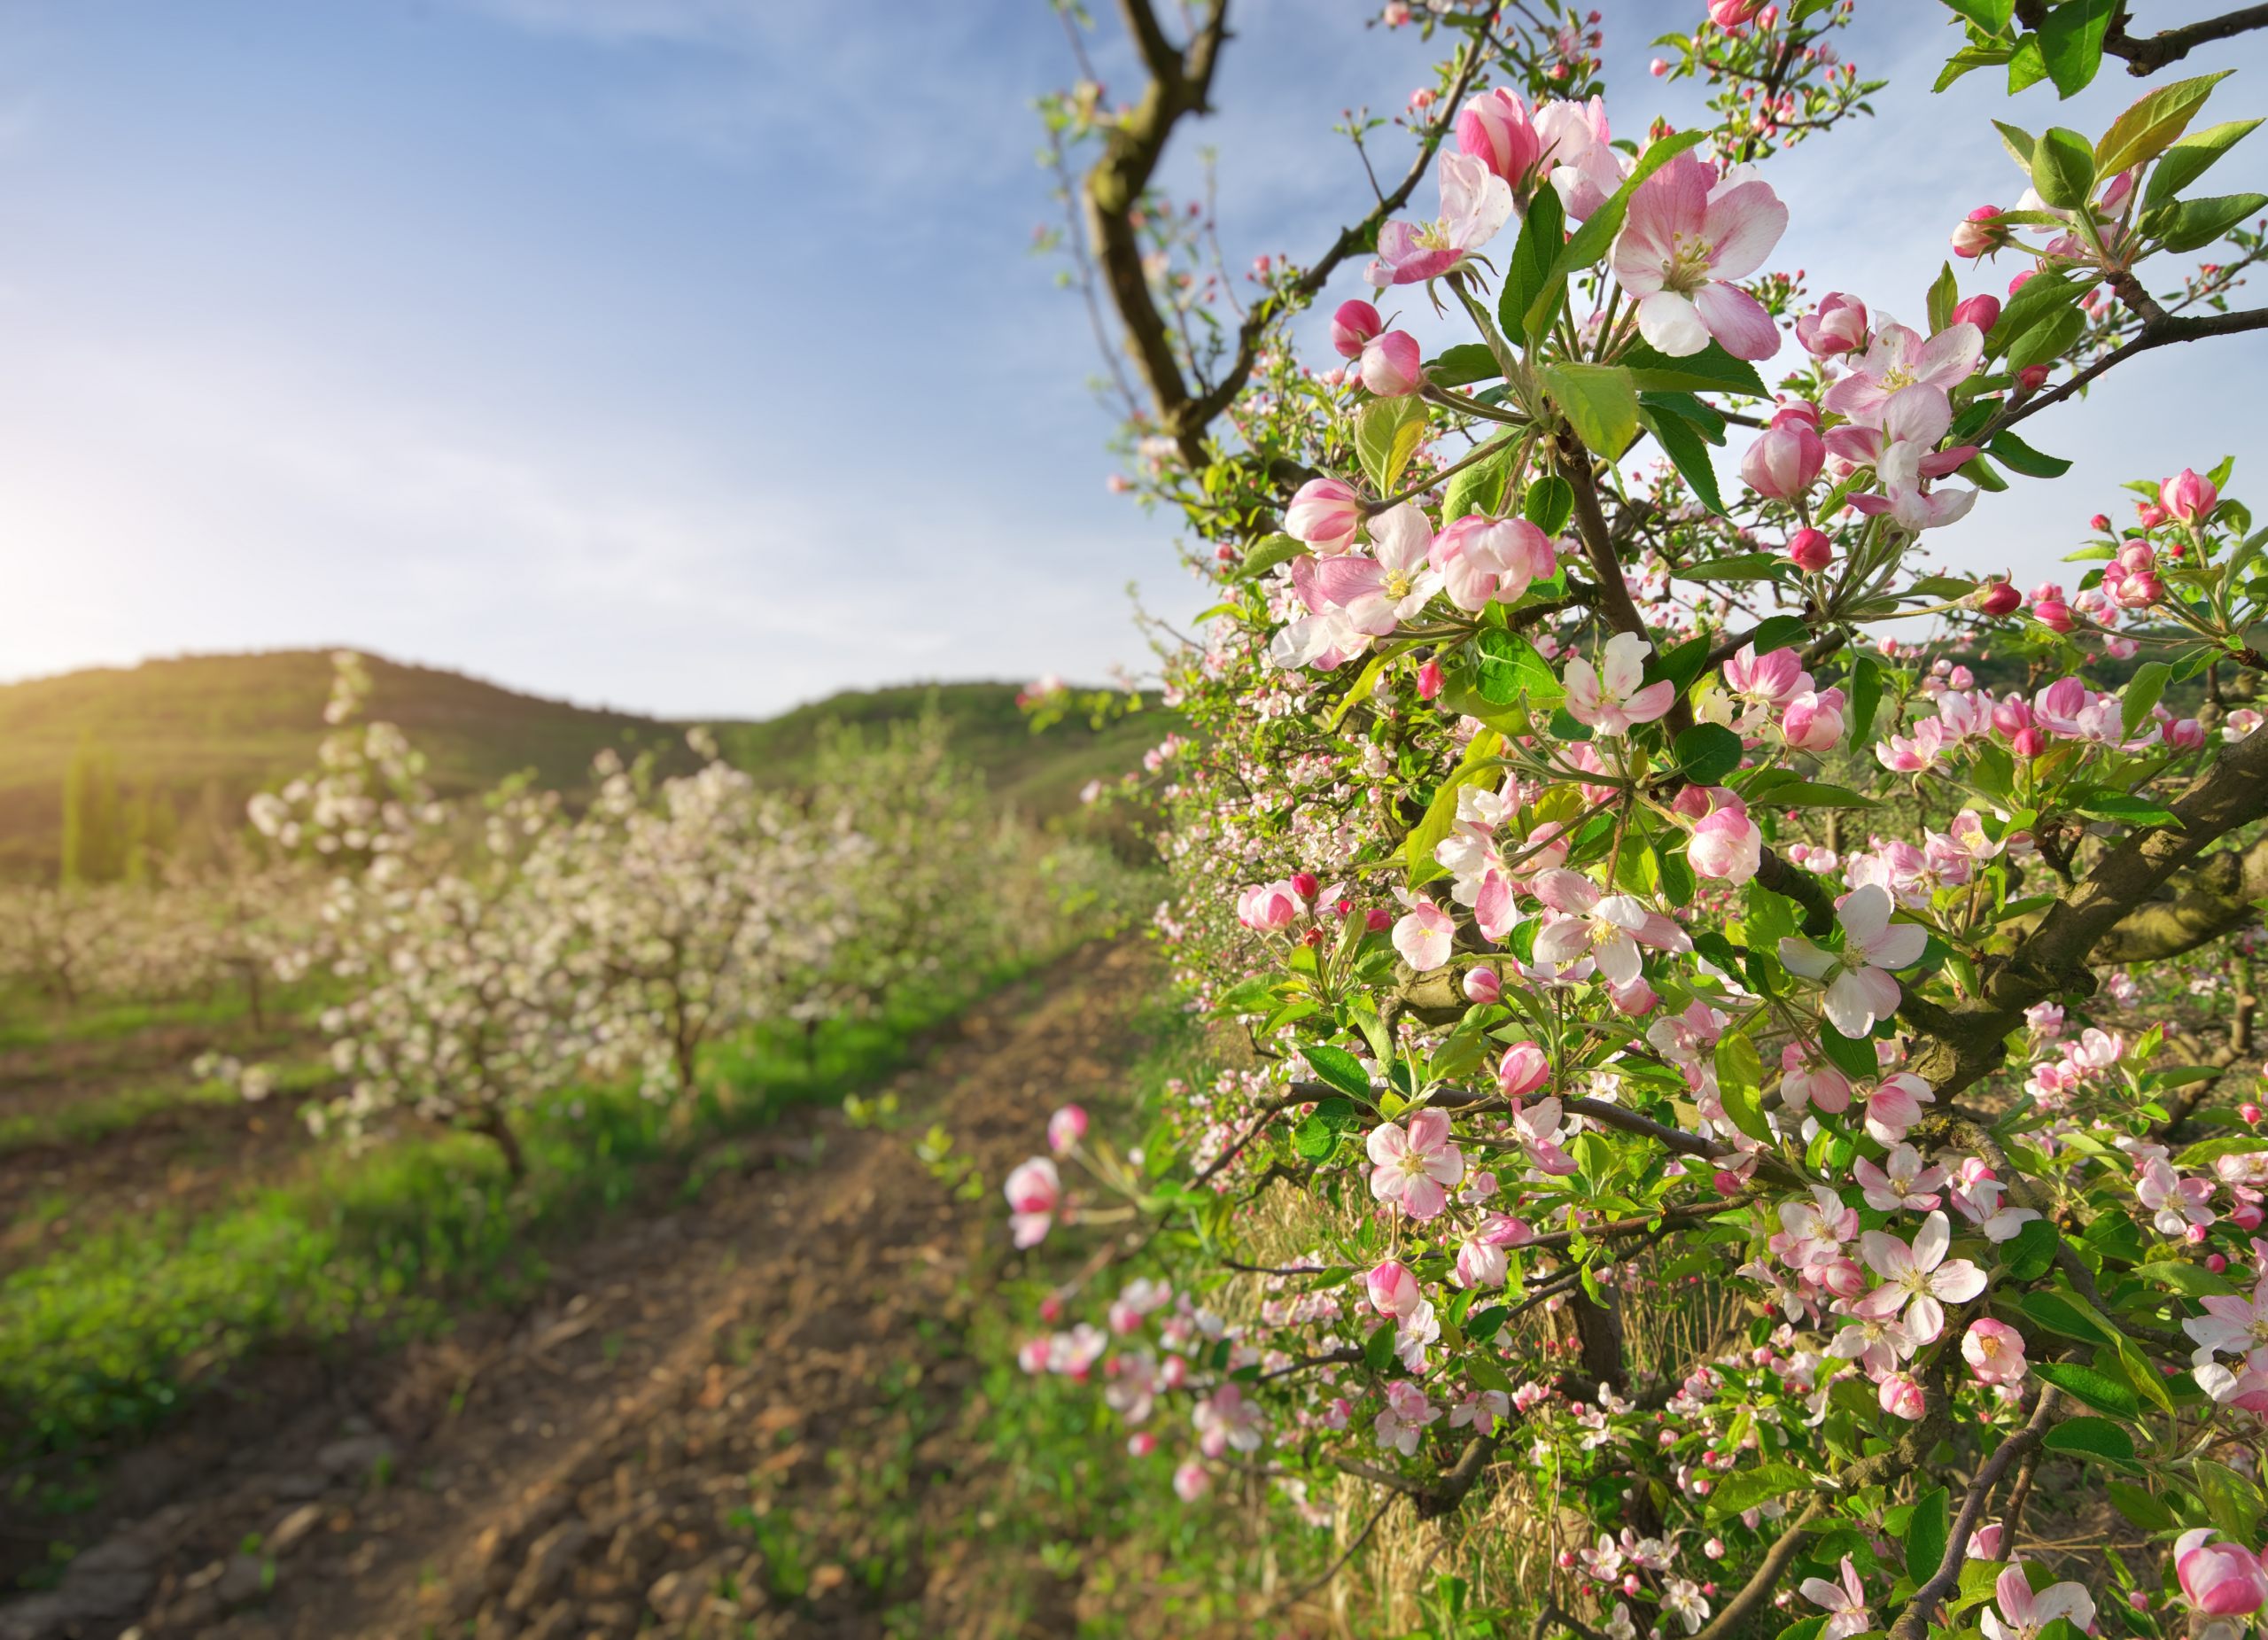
(205, 732)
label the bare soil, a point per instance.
(743, 1416)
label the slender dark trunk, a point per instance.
(494, 1125)
(1598, 1331)
(811, 1045)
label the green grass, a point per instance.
(1071, 1497)
(83, 1121)
(110, 1338)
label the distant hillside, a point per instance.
(205, 732)
(1039, 774)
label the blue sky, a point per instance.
(686, 354)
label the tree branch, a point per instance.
(2152, 53)
(1913, 1622)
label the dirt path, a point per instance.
(734, 1419)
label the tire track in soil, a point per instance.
(735, 1419)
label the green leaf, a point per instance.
(1816, 795)
(2152, 123)
(1928, 1533)
(1748, 1488)
(1480, 487)
(2027, 66)
(2141, 693)
(2115, 805)
(1357, 692)
(2032, 1251)
(1314, 1138)
(1387, 432)
(1462, 365)
(2193, 223)
(1969, 59)
(2035, 299)
(2017, 456)
(2090, 1437)
(1854, 1056)
(2057, 1314)
(1246, 996)
(1781, 632)
(2138, 1505)
(1740, 1078)
(1341, 1069)
(2021, 144)
(1551, 503)
(1599, 402)
(2092, 1388)
(1507, 667)
(1991, 16)
(1378, 1349)
(2070, 42)
(1592, 240)
(1741, 566)
(1266, 553)
(1945, 296)
(1865, 679)
(1688, 454)
(1543, 236)
(2232, 1502)
(1707, 752)
(2062, 168)
(1712, 369)
(2192, 157)
(2048, 339)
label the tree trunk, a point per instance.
(494, 1125)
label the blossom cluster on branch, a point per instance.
(1777, 1094)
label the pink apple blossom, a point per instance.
(1475, 203)
(1614, 698)
(2017, 1613)
(1034, 1191)
(2219, 1580)
(1686, 237)
(1918, 1279)
(1413, 1165)
(1860, 989)
(1845, 1603)
(1994, 1351)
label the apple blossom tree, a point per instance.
(1735, 1042)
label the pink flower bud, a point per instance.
(1141, 1443)
(1494, 128)
(1324, 513)
(1997, 598)
(1523, 1069)
(1658, 68)
(1393, 1288)
(1393, 367)
(1481, 985)
(2032, 377)
(1727, 1181)
(1984, 1542)
(2055, 613)
(1378, 919)
(1732, 16)
(2249, 1114)
(2221, 1580)
(1983, 312)
(1902, 1397)
(2099, 523)
(1066, 1128)
(1354, 325)
(1782, 462)
(1810, 551)
(2217, 1261)
(2029, 743)
(1976, 235)
(2188, 497)
(1429, 680)
(1714, 1548)
(1305, 885)
(1838, 324)
(1192, 1482)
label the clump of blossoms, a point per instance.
(1684, 1055)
